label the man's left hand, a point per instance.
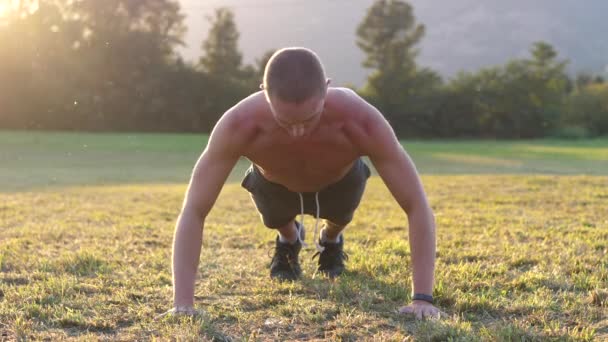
(421, 309)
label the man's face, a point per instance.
(298, 119)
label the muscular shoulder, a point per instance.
(359, 116)
(238, 125)
(242, 117)
(344, 101)
(365, 126)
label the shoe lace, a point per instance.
(330, 256)
(284, 256)
(319, 247)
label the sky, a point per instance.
(460, 34)
(260, 24)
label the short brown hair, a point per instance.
(294, 75)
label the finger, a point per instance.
(440, 314)
(437, 313)
(195, 313)
(162, 315)
(432, 313)
(406, 310)
(424, 312)
(187, 313)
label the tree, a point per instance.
(222, 63)
(521, 99)
(253, 75)
(388, 36)
(543, 54)
(129, 46)
(547, 84)
(582, 80)
(458, 114)
(221, 55)
(586, 112)
(37, 63)
(260, 63)
(95, 65)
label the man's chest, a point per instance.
(325, 150)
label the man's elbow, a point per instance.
(190, 213)
(420, 209)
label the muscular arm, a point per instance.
(208, 177)
(377, 140)
(399, 174)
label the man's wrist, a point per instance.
(183, 300)
(424, 297)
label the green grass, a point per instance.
(85, 245)
(31, 160)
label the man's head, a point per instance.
(295, 87)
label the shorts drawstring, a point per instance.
(318, 246)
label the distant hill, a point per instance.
(461, 34)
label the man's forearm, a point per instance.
(422, 245)
(186, 253)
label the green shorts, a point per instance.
(278, 206)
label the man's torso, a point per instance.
(304, 164)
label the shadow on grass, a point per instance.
(378, 298)
(470, 318)
(109, 330)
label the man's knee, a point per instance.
(276, 223)
(340, 221)
(334, 226)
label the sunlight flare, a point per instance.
(4, 7)
(9, 7)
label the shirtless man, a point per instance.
(305, 141)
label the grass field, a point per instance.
(86, 223)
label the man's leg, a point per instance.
(338, 203)
(331, 231)
(277, 207)
(331, 259)
(288, 233)
(285, 264)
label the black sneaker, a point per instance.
(285, 264)
(331, 260)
